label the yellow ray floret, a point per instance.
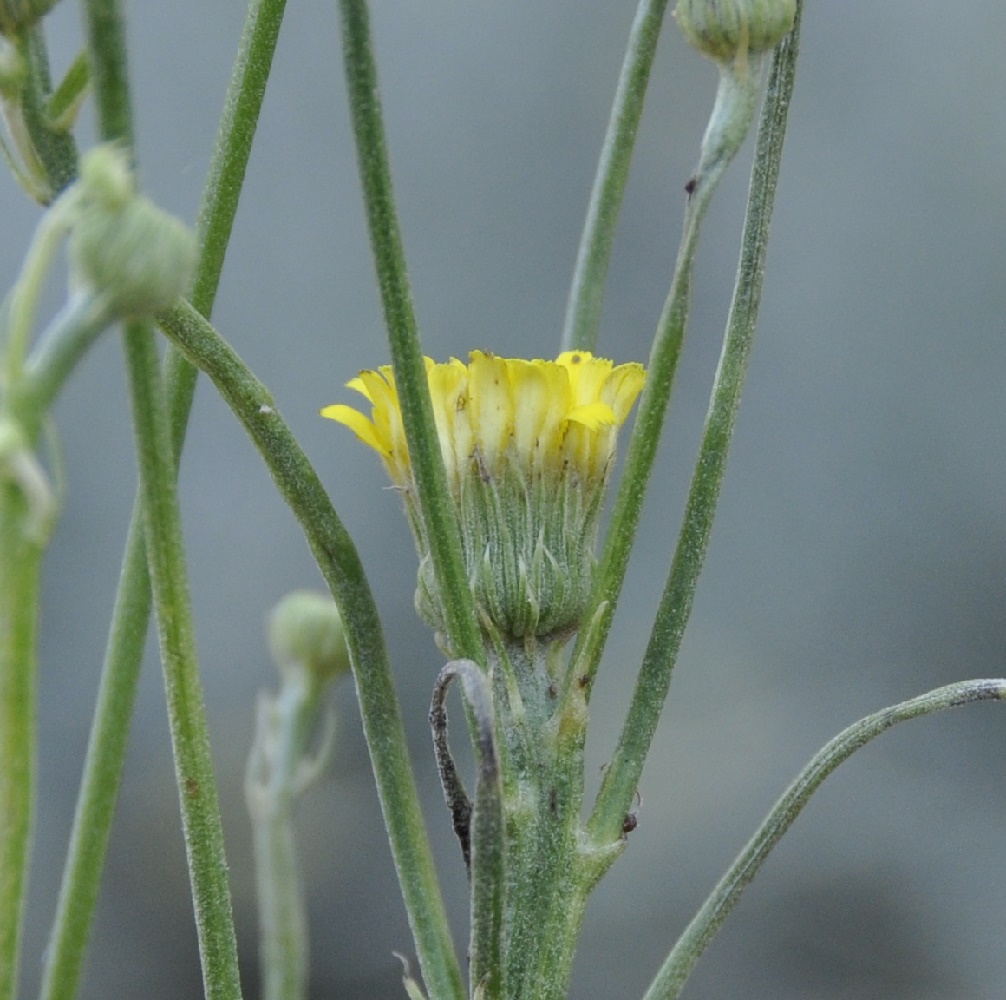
(542, 415)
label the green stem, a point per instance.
(53, 145)
(621, 778)
(661, 368)
(201, 823)
(106, 42)
(583, 311)
(439, 518)
(235, 135)
(487, 829)
(23, 302)
(106, 752)
(20, 559)
(542, 759)
(124, 655)
(278, 764)
(689, 947)
(340, 564)
(60, 347)
(728, 125)
(65, 100)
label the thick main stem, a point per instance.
(542, 741)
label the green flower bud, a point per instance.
(106, 178)
(306, 633)
(725, 29)
(123, 245)
(15, 15)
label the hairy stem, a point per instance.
(679, 964)
(340, 564)
(124, 654)
(621, 778)
(438, 515)
(583, 311)
(161, 518)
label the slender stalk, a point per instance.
(621, 778)
(583, 311)
(106, 752)
(65, 100)
(487, 831)
(235, 134)
(60, 348)
(19, 582)
(124, 654)
(728, 125)
(106, 43)
(689, 947)
(166, 563)
(53, 145)
(340, 564)
(280, 767)
(438, 515)
(201, 823)
(26, 512)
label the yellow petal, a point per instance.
(621, 389)
(490, 405)
(447, 384)
(592, 415)
(357, 385)
(531, 402)
(363, 428)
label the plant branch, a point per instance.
(340, 565)
(583, 310)
(19, 582)
(439, 520)
(166, 564)
(686, 952)
(124, 654)
(728, 125)
(485, 850)
(53, 145)
(620, 780)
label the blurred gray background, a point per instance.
(860, 553)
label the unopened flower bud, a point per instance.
(16, 15)
(123, 245)
(725, 29)
(306, 633)
(106, 179)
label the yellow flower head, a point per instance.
(528, 447)
(545, 415)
